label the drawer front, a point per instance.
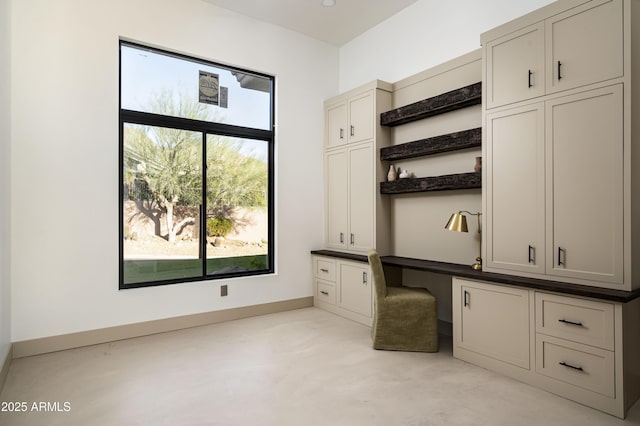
(579, 365)
(582, 321)
(325, 292)
(325, 269)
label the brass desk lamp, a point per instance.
(458, 222)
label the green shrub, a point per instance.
(219, 226)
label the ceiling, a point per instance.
(336, 25)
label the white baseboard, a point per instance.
(4, 371)
(104, 335)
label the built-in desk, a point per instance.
(577, 341)
(465, 271)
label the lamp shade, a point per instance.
(457, 222)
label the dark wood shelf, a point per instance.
(432, 183)
(450, 101)
(471, 138)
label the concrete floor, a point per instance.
(304, 367)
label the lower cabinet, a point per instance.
(570, 346)
(343, 287)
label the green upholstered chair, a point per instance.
(405, 318)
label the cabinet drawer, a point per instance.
(582, 321)
(579, 365)
(325, 269)
(325, 292)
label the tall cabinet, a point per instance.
(559, 143)
(355, 211)
(560, 202)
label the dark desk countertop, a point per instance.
(465, 271)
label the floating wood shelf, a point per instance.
(450, 101)
(444, 143)
(433, 183)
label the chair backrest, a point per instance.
(378, 275)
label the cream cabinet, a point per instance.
(584, 45)
(558, 164)
(355, 211)
(491, 321)
(577, 47)
(343, 287)
(585, 185)
(515, 207)
(350, 120)
(571, 346)
(515, 66)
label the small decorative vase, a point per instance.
(404, 174)
(392, 175)
(478, 167)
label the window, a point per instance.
(196, 169)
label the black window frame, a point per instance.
(127, 116)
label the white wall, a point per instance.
(423, 35)
(65, 157)
(5, 135)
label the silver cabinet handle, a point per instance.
(353, 239)
(364, 277)
(341, 133)
(325, 293)
(532, 254)
(467, 302)
(324, 270)
(353, 130)
(341, 237)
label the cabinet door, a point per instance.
(585, 45)
(515, 213)
(515, 66)
(361, 198)
(355, 288)
(361, 118)
(336, 199)
(336, 125)
(492, 320)
(585, 192)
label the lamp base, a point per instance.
(478, 265)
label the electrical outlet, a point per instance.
(223, 290)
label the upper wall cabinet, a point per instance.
(350, 120)
(580, 46)
(584, 45)
(515, 66)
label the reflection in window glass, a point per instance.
(240, 98)
(237, 200)
(162, 177)
(197, 165)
